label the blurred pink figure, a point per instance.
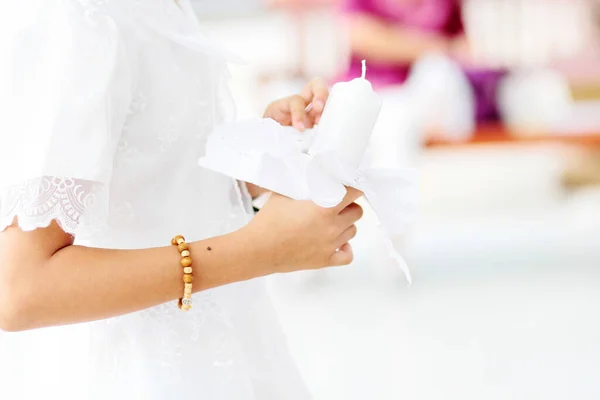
(392, 34)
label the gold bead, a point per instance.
(187, 270)
(183, 247)
(185, 253)
(188, 278)
(177, 240)
(186, 262)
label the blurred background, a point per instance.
(497, 103)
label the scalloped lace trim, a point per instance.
(78, 206)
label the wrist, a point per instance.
(226, 259)
(256, 251)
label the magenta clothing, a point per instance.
(442, 17)
(435, 16)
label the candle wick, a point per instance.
(364, 69)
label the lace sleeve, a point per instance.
(66, 89)
(78, 206)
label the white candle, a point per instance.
(348, 120)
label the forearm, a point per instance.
(79, 284)
(381, 42)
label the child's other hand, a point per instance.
(291, 111)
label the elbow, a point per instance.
(366, 35)
(12, 320)
(357, 43)
(10, 323)
(14, 316)
(9, 320)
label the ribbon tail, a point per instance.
(393, 253)
(386, 238)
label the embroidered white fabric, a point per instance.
(109, 104)
(77, 205)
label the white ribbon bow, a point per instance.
(266, 154)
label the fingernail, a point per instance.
(300, 126)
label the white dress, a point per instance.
(105, 108)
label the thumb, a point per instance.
(352, 195)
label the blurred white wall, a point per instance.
(502, 32)
(527, 32)
(227, 7)
(280, 46)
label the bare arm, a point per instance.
(45, 280)
(381, 42)
(48, 281)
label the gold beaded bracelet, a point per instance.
(185, 303)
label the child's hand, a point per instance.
(291, 235)
(291, 111)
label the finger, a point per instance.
(351, 196)
(350, 215)
(346, 236)
(314, 115)
(343, 256)
(317, 93)
(309, 121)
(298, 113)
(280, 111)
